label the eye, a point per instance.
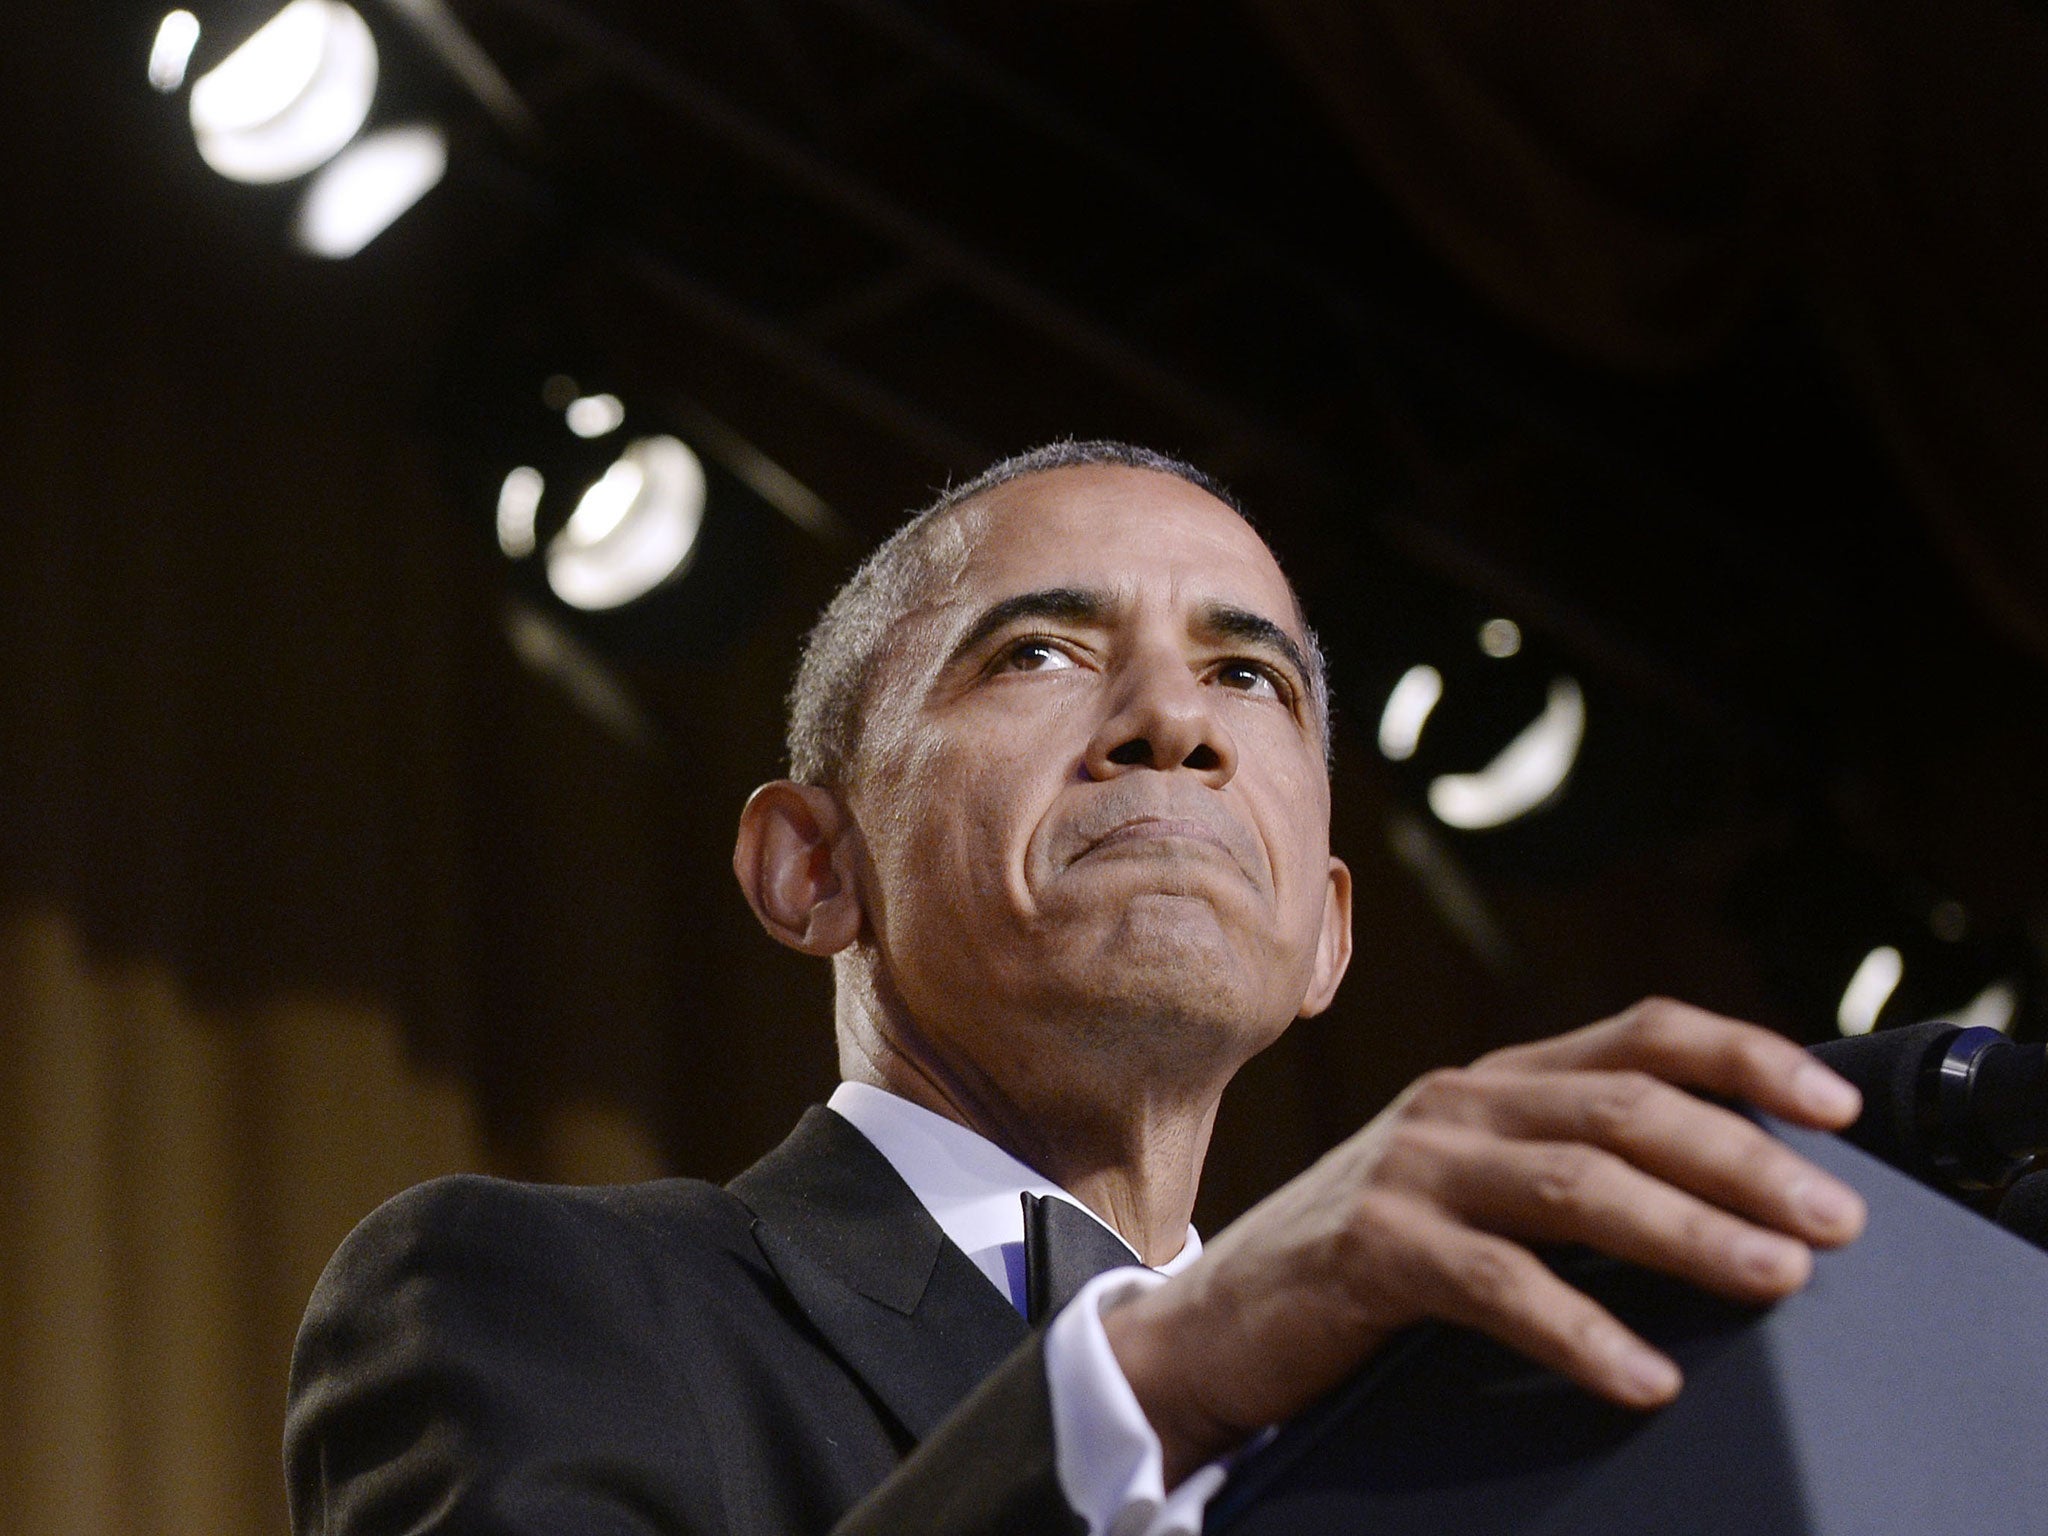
(1034, 656)
(1252, 677)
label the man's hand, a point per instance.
(1586, 1138)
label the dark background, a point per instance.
(1702, 341)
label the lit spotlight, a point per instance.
(631, 530)
(1876, 978)
(1993, 1008)
(1500, 638)
(176, 37)
(1407, 711)
(594, 415)
(518, 501)
(290, 97)
(369, 184)
(1527, 772)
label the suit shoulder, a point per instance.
(469, 1221)
(474, 1337)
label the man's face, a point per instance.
(1091, 788)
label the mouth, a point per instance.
(1140, 831)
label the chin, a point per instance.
(1188, 965)
(1176, 983)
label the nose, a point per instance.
(1164, 718)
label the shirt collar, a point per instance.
(971, 1186)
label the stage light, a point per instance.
(290, 97)
(1993, 1008)
(1869, 989)
(1525, 775)
(594, 415)
(518, 502)
(1407, 711)
(367, 186)
(633, 529)
(1500, 638)
(176, 36)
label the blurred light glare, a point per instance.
(1876, 978)
(176, 36)
(604, 505)
(1407, 711)
(372, 182)
(1500, 638)
(518, 501)
(1993, 1008)
(595, 415)
(631, 530)
(1528, 771)
(290, 97)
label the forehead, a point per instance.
(1137, 533)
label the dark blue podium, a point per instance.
(1903, 1393)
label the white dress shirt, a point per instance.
(1108, 1457)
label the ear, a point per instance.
(794, 861)
(1333, 946)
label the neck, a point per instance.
(1122, 1140)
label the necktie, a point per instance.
(1064, 1248)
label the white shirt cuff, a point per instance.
(1110, 1463)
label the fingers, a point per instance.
(1697, 1049)
(1569, 1192)
(1502, 1290)
(1589, 1138)
(1701, 1148)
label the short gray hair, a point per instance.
(843, 651)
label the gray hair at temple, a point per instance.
(844, 648)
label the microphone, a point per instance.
(2024, 1210)
(1955, 1107)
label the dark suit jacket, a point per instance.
(525, 1360)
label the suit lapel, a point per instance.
(906, 1310)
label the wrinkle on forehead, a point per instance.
(1221, 527)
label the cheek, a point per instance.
(953, 833)
(1298, 824)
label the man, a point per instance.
(1058, 813)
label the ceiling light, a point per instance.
(290, 97)
(176, 36)
(1876, 978)
(370, 184)
(1408, 707)
(633, 529)
(518, 501)
(1993, 1008)
(1527, 772)
(1500, 638)
(594, 415)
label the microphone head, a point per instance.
(1887, 1068)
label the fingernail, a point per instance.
(1824, 1093)
(1650, 1377)
(1828, 1204)
(1767, 1258)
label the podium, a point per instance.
(1904, 1392)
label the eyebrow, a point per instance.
(1071, 605)
(1077, 605)
(1223, 622)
